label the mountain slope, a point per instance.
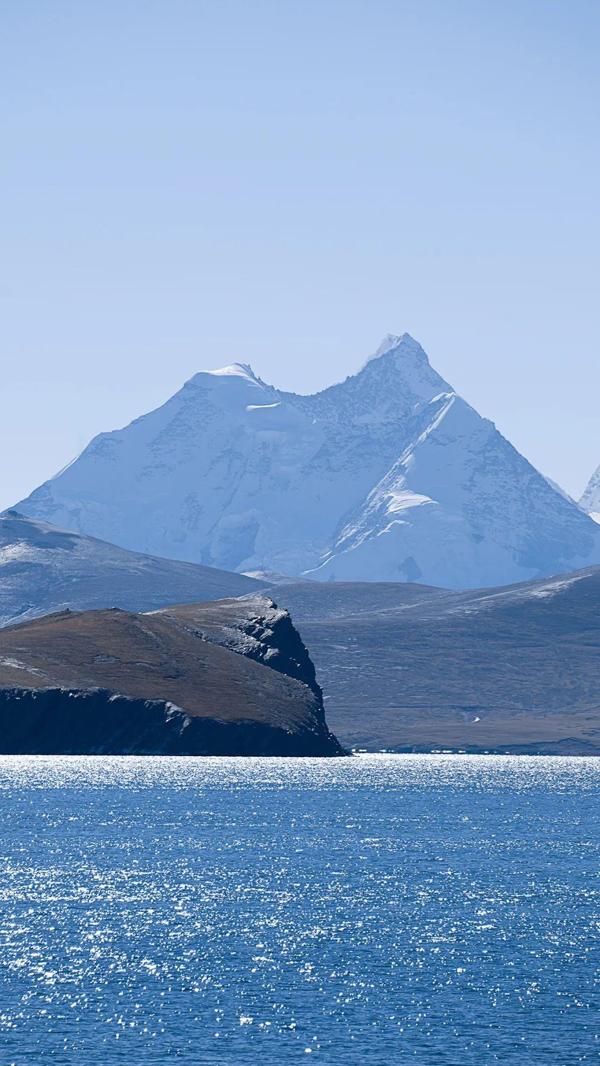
(412, 668)
(385, 476)
(45, 569)
(226, 678)
(590, 501)
(460, 501)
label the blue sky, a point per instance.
(185, 184)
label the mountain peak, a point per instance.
(235, 370)
(399, 372)
(224, 379)
(394, 340)
(391, 340)
(241, 371)
(401, 344)
(383, 476)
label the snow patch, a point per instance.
(236, 370)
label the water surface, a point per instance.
(375, 910)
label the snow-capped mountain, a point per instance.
(388, 475)
(45, 569)
(590, 501)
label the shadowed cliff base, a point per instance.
(97, 722)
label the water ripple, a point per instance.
(384, 909)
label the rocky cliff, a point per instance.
(219, 679)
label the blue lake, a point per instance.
(374, 910)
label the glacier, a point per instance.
(389, 475)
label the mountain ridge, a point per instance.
(590, 501)
(388, 475)
(44, 569)
(407, 667)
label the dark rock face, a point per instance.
(96, 722)
(198, 679)
(255, 627)
(413, 668)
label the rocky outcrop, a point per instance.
(256, 627)
(212, 679)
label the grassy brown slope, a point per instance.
(165, 657)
